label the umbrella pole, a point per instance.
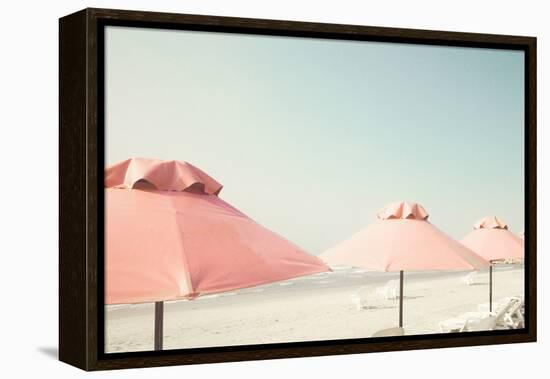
(491, 288)
(401, 298)
(159, 319)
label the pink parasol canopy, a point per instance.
(169, 236)
(162, 175)
(492, 240)
(402, 239)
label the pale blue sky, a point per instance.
(312, 137)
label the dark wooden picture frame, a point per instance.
(81, 165)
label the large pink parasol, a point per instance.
(169, 236)
(402, 239)
(492, 240)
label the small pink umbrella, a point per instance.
(169, 236)
(492, 240)
(401, 240)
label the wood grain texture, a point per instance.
(531, 186)
(296, 350)
(72, 192)
(81, 164)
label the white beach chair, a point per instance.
(459, 323)
(498, 304)
(356, 302)
(476, 321)
(471, 278)
(359, 298)
(499, 320)
(514, 317)
(479, 324)
(390, 291)
(390, 332)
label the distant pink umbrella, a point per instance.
(492, 240)
(403, 240)
(169, 236)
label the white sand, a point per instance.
(317, 307)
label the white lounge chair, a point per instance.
(471, 278)
(479, 324)
(514, 318)
(359, 298)
(356, 301)
(498, 320)
(459, 323)
(498, 304)
(390, 291)
(476, 321)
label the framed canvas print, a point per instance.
(241, 189)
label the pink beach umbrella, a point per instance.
(492, 240)
(169, 236)
(402, 239)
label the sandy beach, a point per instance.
(316, 307)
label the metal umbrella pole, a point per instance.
(401, 298)
(159, 321)
(491, 288)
